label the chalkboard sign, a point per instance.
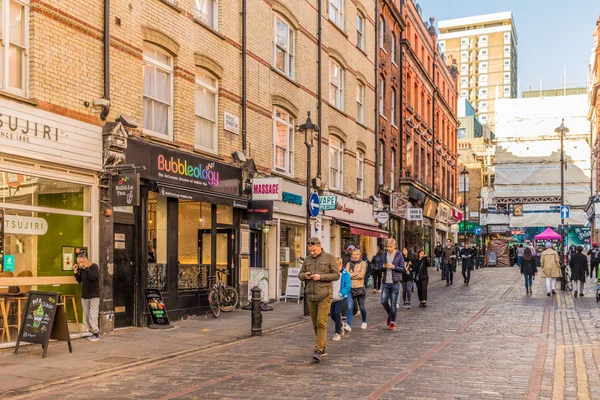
(44, 319)
(157, 308)
(292, 287)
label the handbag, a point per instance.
(356, 292)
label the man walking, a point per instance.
(448, 257)
(438, 255)
(468, 255)
(318, 272)
(86, 273)
(594, 254)
(392, 265)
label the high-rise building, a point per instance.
(484, 47)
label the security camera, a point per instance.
(101, 103)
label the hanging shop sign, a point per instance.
(415, 214)
(382, 217)
(457, 214)
(291, 198)
(25, 225)
(328, 203)
(443, 213)
(430, 208)
(126, 190)
(266, 189)
(259, 211)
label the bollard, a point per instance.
(256, 311)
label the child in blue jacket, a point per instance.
(341, 290)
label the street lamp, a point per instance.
(561, 130)
(310, 130)
(464, 173)
(479, 219)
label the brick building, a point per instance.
(594, 117)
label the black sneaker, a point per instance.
(317, 356)
(553, 292)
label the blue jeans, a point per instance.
(449, 271)
(438, 262)
(528, 281)
(361, 305)
(519, 260)
(389, 294)
(336, 315)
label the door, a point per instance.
(124, 275)
(224, 246)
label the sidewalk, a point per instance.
(132, 346)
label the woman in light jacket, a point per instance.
(341, 290)
(357, 269)
(550, 262)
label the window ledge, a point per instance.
(284, 76)
(394, 126)
(171, 5)
(282, 174)
(383, 116)
(339, 28)
(209, 28)
(154, 137)
(382, 49)
(394, 64)
(207, 153)
(338, 110)
(18, 98)
(362, 124)
(362, 51)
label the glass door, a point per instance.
(224, 245)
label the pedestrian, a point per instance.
(594, 254)
(520, 252)
(407, 278)
(448, 259)
(528, 269)
(368, 271)
(357, 269)
(579, 270)
(467, 254)
(422, 277)
(392, 264)
(87, 274)
(375, 272)
(341, 290)
(550, 262)
(318, 272)
(438, 255)
(347, 255)
(512, 254)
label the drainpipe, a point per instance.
(319, 88)
(401, 102)
(435, 90)
(244, 97)
(377, 185)
(106, 22)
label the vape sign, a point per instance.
(126, 190)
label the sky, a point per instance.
(552, 34)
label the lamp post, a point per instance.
(479, 218)
(464, 173)
(561, 130)
(309, 130)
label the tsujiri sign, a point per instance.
(25, 225)
(44, 136)
(266, 189)
(353, 210)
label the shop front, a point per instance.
(442, 223)
(186, 228)
(48, 208)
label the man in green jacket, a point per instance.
(318, 272)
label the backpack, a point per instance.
(595, 259)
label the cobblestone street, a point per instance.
(485, 341)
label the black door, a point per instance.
(123, 279)
(224, 245)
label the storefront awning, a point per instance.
(223, 199)
(365, 230)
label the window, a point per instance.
(360, 31)
(336, 12)
(15, 41)
(442, 44)
(360, 102)
(336, 164)
(336, 85)
(393, 52)
(207, 103)
(483, 78)
(393, 105)
(392, 170)
(360, 173)
(283, 49)
(506, 89)
(380, 160)
(507, 75)
(381, 96)
(158, 90)
(283, 139)
(464, 93)
(381, 32)
(507, 49)
(207, 12)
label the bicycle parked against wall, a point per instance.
(220, 296)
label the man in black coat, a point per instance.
(579, 270)
(438, 255)
(468, 255)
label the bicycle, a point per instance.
(221, 297)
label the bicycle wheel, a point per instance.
(213, 301)
(230, 299)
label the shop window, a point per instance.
(15, 41)
(207, 12)
(158, 91)
(283, 47)
(291, 247)
(224, 215)
(192, 274)
(157, 241)
(283, 140)
(336, 164)
(360, 173)
(336, 85)
(336, 13)
(207, 114)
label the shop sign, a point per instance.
(266, 189)
(400, 206)
(126, 190)
(430, 208)
(415, 214)
(457, 214)
(291, 198)
(443, 213)
(382, 217)
(231, 123)
(349, 209)
(259, 210)
(25, 225)
(9, 263)
(156, 306)
(43, 135)
(499, 229)
(328, 203)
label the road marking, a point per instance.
(535, 380)
(510, 288)
(583, 388)
(546, 321)
(475, 318)
(558, 386)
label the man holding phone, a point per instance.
(318, 272)
(392, 265)
(86, 273)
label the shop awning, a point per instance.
(223, 199)
(365, 230)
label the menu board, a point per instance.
(156, 305)
(44, 319)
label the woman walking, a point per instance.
(357, 269)
(579, 270)
(550, 262)
(341, 290)
(375, 272)
(528, 269)
(407, 278)
(422, 277)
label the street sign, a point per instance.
(328, 203)
(415, 214)
(565, 211)
(477, 231)
(313, 205)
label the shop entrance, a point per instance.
(124, 275)
(224, 248)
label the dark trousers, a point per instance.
(351, 304)
(528, 281)
(449, 272)
(377, 280)
(593, 270)
(406, 291)
(422, 288)
(336, 315)
(389, 298)
(466, 269)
